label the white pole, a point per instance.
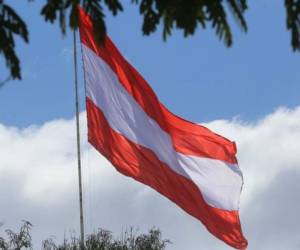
(78, 144)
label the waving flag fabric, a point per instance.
(189, 164)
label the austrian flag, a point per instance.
(187, 163)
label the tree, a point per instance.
(19, 240)
(185, 15)
(103, 240)
(100, 240)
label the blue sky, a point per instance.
(237, 92)
(197, 78)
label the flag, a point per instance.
(187, 163)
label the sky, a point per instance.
(248, 93)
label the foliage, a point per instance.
(103, 240)
(293, 21)
(100, 240)
(19, 240)
(11, 25)
(171, 14)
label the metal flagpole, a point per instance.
(78, 144)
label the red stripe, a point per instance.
(143, 165)
(187, 137)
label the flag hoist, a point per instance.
(189, 164)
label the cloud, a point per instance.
(38, 182)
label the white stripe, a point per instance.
(219, 182)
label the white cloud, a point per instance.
(266, 147)
(38, 182)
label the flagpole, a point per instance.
(78, 144)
